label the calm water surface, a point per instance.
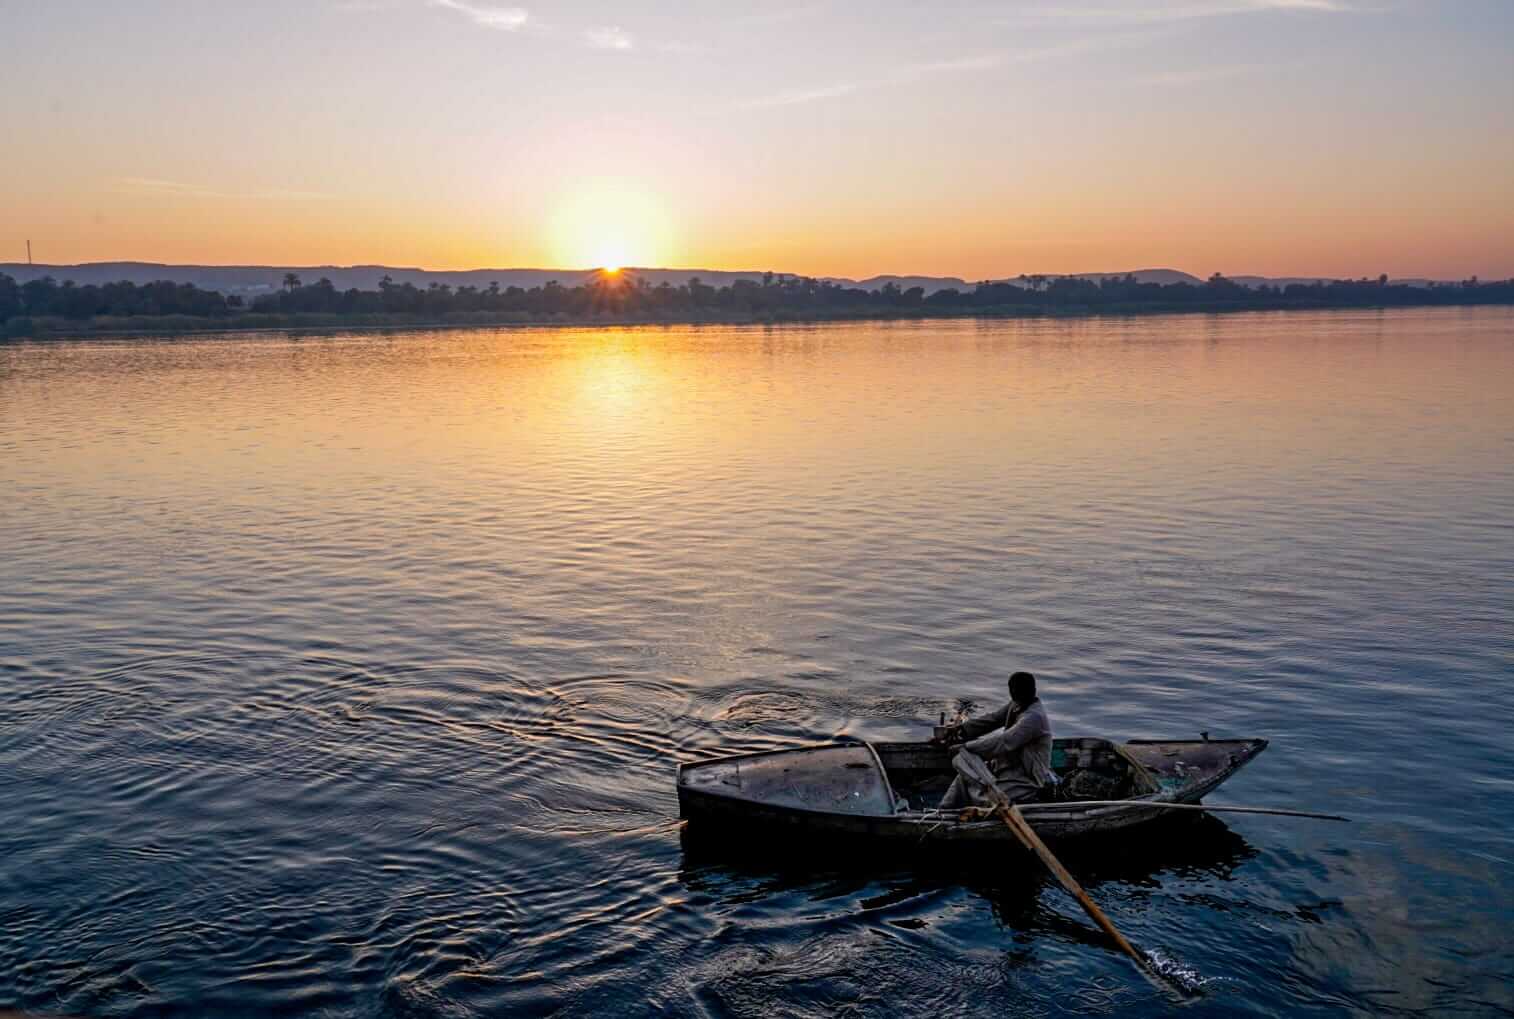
(346, 676)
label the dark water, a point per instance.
(346, 676)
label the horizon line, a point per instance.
(708, 269)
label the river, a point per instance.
(346, 675)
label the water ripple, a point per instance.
(347, 678)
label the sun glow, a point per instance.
(609, 225)
(610, 258)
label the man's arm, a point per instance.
(1027, 727)
(980, 724)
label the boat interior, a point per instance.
(1086, 769)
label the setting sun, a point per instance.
(609, 257)
(610, 225)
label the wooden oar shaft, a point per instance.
(974, 770)
(1027, 835)
(1137, 804)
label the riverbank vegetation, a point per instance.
(44, 306)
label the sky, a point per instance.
(1277, 137)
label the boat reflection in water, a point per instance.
(722, 862)
(871, 922)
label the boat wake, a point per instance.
(1180, 975)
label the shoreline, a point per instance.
(176, 326)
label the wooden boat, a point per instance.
(888, 791)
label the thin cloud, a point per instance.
(1157, 14)
(1088, 44)
(1199, 75)
(797, 96)
(285, 195)
(151, 186)
(504, 19)
(986, 62)
(609, 37)
(178, 189)
(794, 97)
(973, 64)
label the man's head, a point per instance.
(1022, 688)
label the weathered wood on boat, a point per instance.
(884, 791)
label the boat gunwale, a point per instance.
(934, 818)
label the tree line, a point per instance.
(47, 297)
(625, 296)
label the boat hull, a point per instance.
(1183, 772)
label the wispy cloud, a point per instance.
(504, 19)
(1199, 75)
(609, 37)
(976, 63)
(985, 62)
(178, 189)
(1146, 14)
(797, 96)
(612, 38)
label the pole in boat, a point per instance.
(1203, 807)
(975, 770)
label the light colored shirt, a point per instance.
(1020, 752)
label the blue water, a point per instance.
(347, 675)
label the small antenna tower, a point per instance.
(28, 252)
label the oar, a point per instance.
(974, 769)
(1139, 804)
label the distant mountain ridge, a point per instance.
(251, 280)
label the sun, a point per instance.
(609, 225)
(610, 256)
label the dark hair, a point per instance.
(1022, 687)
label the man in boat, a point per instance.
(1015, 743)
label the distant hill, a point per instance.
(251, 280)
(255, 279)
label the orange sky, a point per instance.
(1245, 136)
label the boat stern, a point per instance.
(840, 780)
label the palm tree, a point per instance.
(291, 281)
